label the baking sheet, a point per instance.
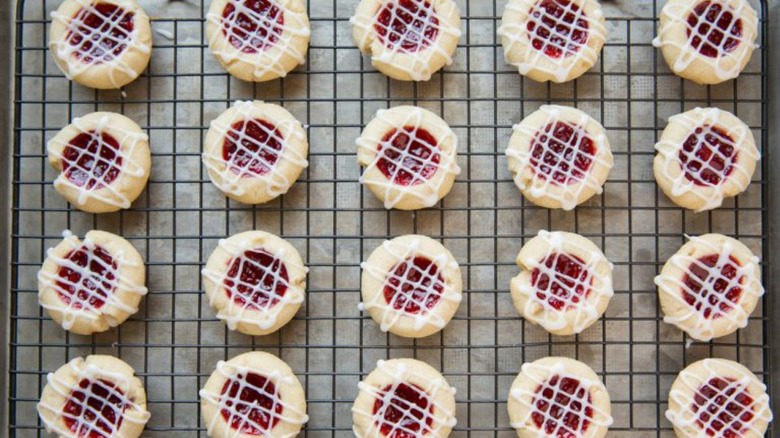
(175, 341)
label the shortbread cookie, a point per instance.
(104, 162)
(92, 285)
(255, 151)
(101, 43)
(552, 40)
(559, 156)
(253, 394)
(565, 283)
(704, 156)
(558, 397)
(258, 40)
(95, 397)
(710, 286)
(404, 398)
(718, 398)
(410, 157)
(707, 41)
(411, 286)
(408, 40)
(255, 281)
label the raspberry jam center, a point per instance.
(712, 286)
(407, 414)
(715, 30)
(252, 147)
(708, 156)
(408, 156)
(562, 407)
(563, 282)
(100, 32)
(94, 409)
(90, 281)
(252, 26)
(252, 405)
(557, 28)
(92, 160)
(563, 153)
(724, 408)
(414, 285)
(256, 280)
(410, 24)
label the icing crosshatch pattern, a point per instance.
(175, 340)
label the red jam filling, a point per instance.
(708, 156)
(410, 156)
(94, 409)
(257, 280)
(414, 285)
(559, 408)
(252, 147)
(409, 415)
(568, 287)
(557, 28)
(254, 411)
(563, 153)
(91, 160)
(725, 409)
(410, 24)
(102, 33)
(93, 289)
(715, 29)
(717, 291)
(254, 26)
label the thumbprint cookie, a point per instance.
(704, 156)
(255, 281)
(560, 157)
(96, 397)
(255, 151)
(103, 160)
(410, 157)
(408, 40)
(565, 283)
(258, 40)
(710, 286)
(101, 43)
(404, 398)
(707, 41)
(411, 286)
(552, 40)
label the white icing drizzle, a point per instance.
(687, 419)
(420, 67)
(703, 328)
(711, 194)
(676, 14)
(235, 313)
(395, 193)
(573, 53)
(585, 311)
(83, 370)
(66, 52)
(440, 417)
(566, 194)
(81, 308)
(264, 60)
(406, 254)
(230, 372)
(276, 182)
(528, 399)
(102, 191)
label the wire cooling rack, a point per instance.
(174, 341)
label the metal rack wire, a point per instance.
(174, 341)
